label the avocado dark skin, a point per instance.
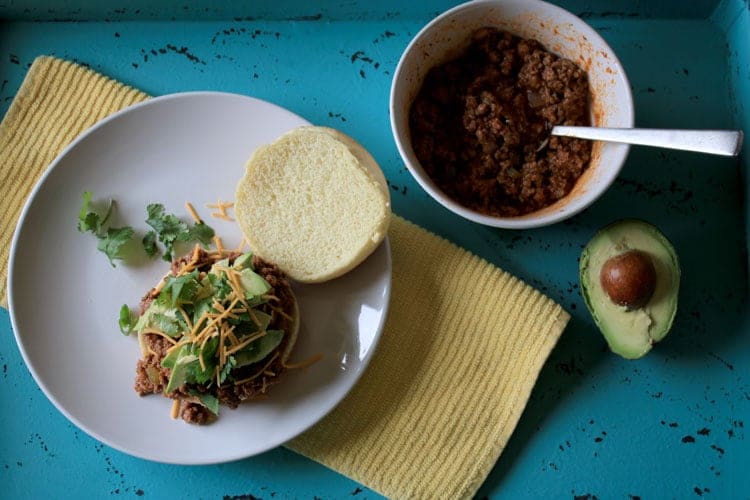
(630, 279)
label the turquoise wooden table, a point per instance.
(671, 425)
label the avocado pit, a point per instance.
(629, 279)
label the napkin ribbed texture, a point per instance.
(461, 350)
(462, 347)
(56, 102)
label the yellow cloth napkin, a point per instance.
(462, 347)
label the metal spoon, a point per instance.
(718, 142)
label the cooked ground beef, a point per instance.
(152, 378)
(480, 125)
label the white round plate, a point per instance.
(64, 296)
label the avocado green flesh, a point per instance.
(253, 283)
(631, 332)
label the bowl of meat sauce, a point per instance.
(475, 96)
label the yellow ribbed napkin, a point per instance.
(462, 347)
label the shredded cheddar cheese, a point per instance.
(221, 209)
(241, 246)
(219, 246)
(245, 342)
(305, 363)
(192, 211)
(175, 409)
(159, 332)
(259, 372)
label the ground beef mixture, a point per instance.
(152, 378)
(480, 125)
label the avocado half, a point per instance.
(631, 331)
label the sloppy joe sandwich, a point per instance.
(218, 329)
(314, 202)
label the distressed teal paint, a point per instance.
(671, 425)
(733, 16)
(118, 10)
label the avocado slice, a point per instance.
(244, 261)
(634, 301)
(253, 283)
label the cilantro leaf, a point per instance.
(208, 354)
(221, 286)
(202, 306)
(113, 241)
(89, 221)
(182, 288)
(201, 232)
(170, 229)
(228, 366)
(167, 226)
(149, 243)
(126, 321)
(170, 326)
(83, 213)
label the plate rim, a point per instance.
(30, 200)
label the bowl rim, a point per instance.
(541, 217)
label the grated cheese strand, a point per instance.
(219, 246)
(222, 347)
(160, 285)
(245, 342)
(175, 409)
(305, 363)
(232, 337)
(197, 325)
(283, 313)
(237, 288)
(159, 332)
(174, 346)
(192, 263)
(192, 211)
(241, 246)
(215, 320)
(259, 373)
(208, 337)
(221, 208)
(188, 322)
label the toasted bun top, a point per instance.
(314, 202)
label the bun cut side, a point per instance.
(314, 202)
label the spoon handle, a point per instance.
(718, 142)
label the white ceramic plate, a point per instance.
(64, 296)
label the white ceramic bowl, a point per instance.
(562, 33)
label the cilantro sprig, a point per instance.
(169, 229)
(165, 228)
(111, 240)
